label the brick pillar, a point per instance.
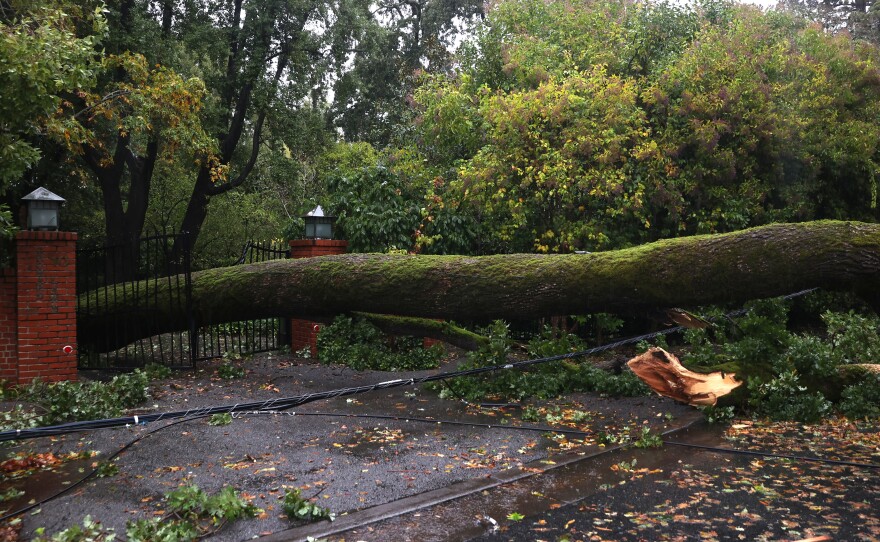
(8, 327)
(45, 277)
(304, 333)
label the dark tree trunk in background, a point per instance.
(756, 263)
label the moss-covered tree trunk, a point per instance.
(755, 263)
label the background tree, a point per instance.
(397, 40)
(47, 52)
(560, 131)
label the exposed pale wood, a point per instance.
(663, 373)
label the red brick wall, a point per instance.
(304, 333)
(8, 326)
(39, 296)
(309, 248)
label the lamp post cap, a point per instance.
(317, 211)
(42, 194)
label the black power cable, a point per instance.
(291, 402)
(294, 401)
(91, 473)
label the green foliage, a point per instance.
(144, 530)
(72, 401)
(43, 56)
(663, 120)
(224, 418)
(784, 398)
(106, 469)
(358, 344)
(554, 174)
(791, 376)
(7, 234)
(719, 414)
(862, 400)
(810, 357)
(853, 337)
(295, 506)
(20, 417)
(89, 531)
(60, 402)
(543, 381)
(375, 210)
(230, 371)
(157, 371)
(648, 439)
(192, 514)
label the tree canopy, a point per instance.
(439, 127)
(664, 121)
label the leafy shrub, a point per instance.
(784, 398)
(809, 356)
(376, 210)
(718, 414)
(854, 337)
(550, 342)
(358, 344)
(157, 371)
(861, 400)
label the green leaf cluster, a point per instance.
(192, 514)
(356, 343)
(73, 401)
(44, 57)
(789, 375)
(545, 380)
(298, 507)
(375, 210)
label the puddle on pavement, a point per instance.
(42, 484)
(528, 496)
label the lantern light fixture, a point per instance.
(319, 226)
(43, 209)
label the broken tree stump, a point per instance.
(664, 374)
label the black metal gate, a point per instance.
(115, 279)
(249, 336)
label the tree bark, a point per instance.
(756, 263)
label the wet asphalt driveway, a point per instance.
(366, 458)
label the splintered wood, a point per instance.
(663, 373)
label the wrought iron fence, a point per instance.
(249, 336)
(121, 282)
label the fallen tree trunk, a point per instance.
(735, 267)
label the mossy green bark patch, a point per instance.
(755, 263)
